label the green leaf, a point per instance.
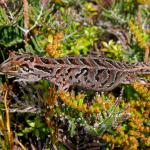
(31, 123)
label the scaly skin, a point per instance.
(91, 72)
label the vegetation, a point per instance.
(33, 114)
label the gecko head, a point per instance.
(9, 66)
(17, 65)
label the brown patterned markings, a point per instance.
(68, 71)
(121, 65)
(45, 60)
(31, 59)
(73, 61)
(98, 63)
(101, 75)
(44, 69)
(92, 71)
(25, 67)
(59, 73)
(85, 61)
(110, 79)
(18, 58)
(116, 81)
(81, 72)
(60, 61)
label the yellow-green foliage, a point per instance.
(142, 90)
(77, 102)
(140, 36)
(62, 27)
(134, 133)
(53, 48)
(144, 2)
(113, 50)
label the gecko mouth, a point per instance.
(8, 73)
(8, 69)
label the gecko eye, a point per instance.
(14, 67)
